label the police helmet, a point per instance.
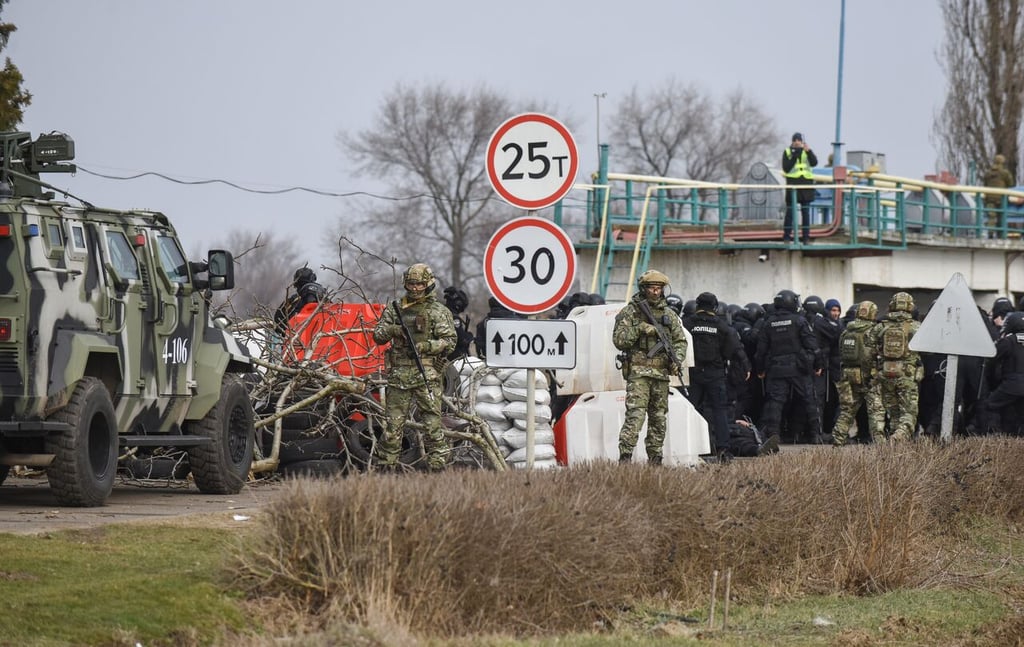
(596, 299)
(419, 273)
(732, 311)
(754, 312)
(814, 305)
(867, 311)
(707, 301)
(690, 307)
(675, 302)
(1014, 323)
(786, 300)
(1001, 307)
(901, 302)
(302, 276)
(455, 299)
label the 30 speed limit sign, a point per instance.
(532, 161)
(530, 265)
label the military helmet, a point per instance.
(901, 302)
(675, 302)
(867, 311)
(814, 305)
(419, 273)
(1013, 323)
(733, 311)
(786, 300)
(455, 299)
(302, 276)
(652, 277)
(690, 307)
(1001, 307)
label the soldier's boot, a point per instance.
(724, 456)
(625, 458)
(654, 460)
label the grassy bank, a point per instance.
(913, 544)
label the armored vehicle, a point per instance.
(107, 344)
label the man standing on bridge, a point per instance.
(797, 161)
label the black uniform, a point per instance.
(787, 355)
(715, 345)
(1005, 374)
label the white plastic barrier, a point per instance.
(589, 430)
(595, 354)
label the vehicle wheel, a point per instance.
(222, 466)
(323, 468)
(85, 455)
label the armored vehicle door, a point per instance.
(128, 310)
(177, 303)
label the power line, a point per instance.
(239, 187)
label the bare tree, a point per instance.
(265, 264)
(983, 56)
(678, 130)
(430, 144)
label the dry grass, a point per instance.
(553, 552)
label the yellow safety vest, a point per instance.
(801, 168)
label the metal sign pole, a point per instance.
(949, 398)
(531, 409)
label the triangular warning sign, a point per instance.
(954, 325)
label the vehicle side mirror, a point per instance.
(221, 267)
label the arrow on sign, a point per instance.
(561, 341)
(497, 339)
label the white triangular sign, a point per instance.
(954, 325)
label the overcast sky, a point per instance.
(255, 92)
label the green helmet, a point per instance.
(867, 310)
(419, 273)
(901, 302)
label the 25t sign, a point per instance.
(532, 161)
(530, 265)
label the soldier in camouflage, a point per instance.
(433, 330)
(647, 366)
(899, 368)
(856, 384)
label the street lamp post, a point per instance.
(597, 101)
(838, 143)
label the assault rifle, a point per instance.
(412, 348)
(663, 343)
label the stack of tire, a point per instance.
(311, 442)
(498, 396)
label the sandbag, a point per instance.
(517, 411)
(546, 464)
(516, 394)
(490, 393)
(516, 438)
(516, 379)
(490, 410)
(540, 453)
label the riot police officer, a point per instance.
(1005, 375)
(787, 355)
(715, 345)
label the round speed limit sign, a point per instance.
(530, 265)
(532, 161)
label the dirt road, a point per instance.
(27, 506)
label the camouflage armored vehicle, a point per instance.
(107, 346)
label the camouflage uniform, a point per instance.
(899, 368)
(433, 330)
(647, 378)
(857, 385)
